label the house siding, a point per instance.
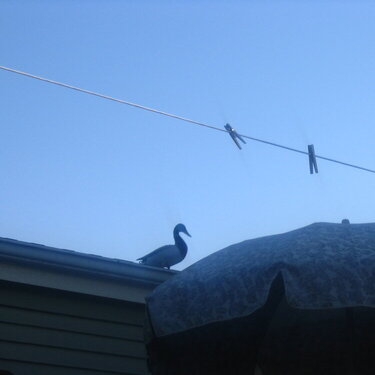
(49, 331)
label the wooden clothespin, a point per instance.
(312, 159)
(234, 135)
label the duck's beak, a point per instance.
(187, 233)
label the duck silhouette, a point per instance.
(168, 255)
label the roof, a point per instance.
(73, 271)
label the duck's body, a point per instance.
(165, 256)
(169, 255)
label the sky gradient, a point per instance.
(90, 175)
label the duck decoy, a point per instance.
(168, 255)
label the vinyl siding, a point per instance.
(44, 331)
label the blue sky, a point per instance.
(91, 175)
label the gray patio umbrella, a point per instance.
(302, 302)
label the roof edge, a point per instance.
(37, 255)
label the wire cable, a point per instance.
(176, 117)
(110, 98)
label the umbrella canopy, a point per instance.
(305, 293)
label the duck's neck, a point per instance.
(180, 243)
